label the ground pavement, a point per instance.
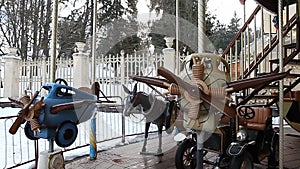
(127, 156)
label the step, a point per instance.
(293, 75)
(263, 73)
(290, 2)
(290, 46)
(259, 97)
(264, 97)
(275, 86)
(293, 61)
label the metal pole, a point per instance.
(122, 93)
(93, 144)
(280, 105)
(94, 36)
(54, 40)
(51, 145)
(36, 153)
(201, 26)
(201, 49)
(177, 36)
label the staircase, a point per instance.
(259, 56)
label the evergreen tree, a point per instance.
(188, 22)
(218, 33)
(232, 29)
(121, 33)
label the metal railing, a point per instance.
(17, 150)
(255, 44)
(111, 72)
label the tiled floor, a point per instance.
(128, 156)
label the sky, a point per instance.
(223, 9)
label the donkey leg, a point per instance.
(146, 137)
(159, 150)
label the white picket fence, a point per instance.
(111, 71)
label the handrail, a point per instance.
(268, 48)
(286, 60)
(257, 9)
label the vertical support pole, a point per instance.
(201, 26)
(94, 35)
(177, 59)
(36, 152)
(1, 79)
(123, 128)
(248, 47)
(255, 47)
(200, 157)
(237, 61)
(242, 56)
(230, 61)
(54, 40)
(51, 145)
(201, 49)
(93, 145)
(200, 141)
(260, 67)
(44, 70)
(298, 27)
(122, 67)
(280, 105)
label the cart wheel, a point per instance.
(66, 134)
(243, 161)
(28, 132)
(273, 159)
(185, 158)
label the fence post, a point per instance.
(81, 67)
(169, 55)
(11, 74)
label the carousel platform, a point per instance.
(128, 156)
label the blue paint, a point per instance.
(93, 144)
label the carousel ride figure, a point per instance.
(218, 125)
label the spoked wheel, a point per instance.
(243, 161)
(61, 81)
(66, 134)
(185, 157)
(273, 159)
(28, 132)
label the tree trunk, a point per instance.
(35, 29)
(45, 41)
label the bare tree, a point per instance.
(25, 24)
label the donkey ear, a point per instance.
(135, 88)
(126, 89)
